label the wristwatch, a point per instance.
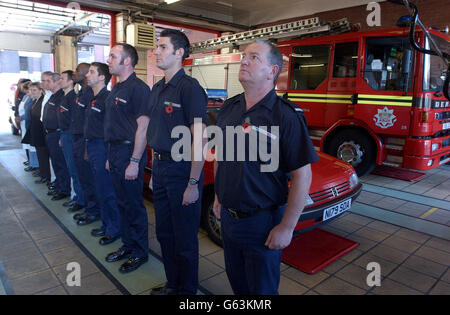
(132, 159)
(193, 181)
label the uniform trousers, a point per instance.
(85, 176)
(252, 268)
(129, 194)
(177, 225)
(58, 163)
(67, 148)
(97, 152)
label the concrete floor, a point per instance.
(403, 226)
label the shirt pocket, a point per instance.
(122, 104)
(174, 114)
(265, 143)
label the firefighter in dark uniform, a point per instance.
(50, 120)
(177, 100)
(85, 176)
(97, 78)
(126, 122)
(64, 113)
(257, 210)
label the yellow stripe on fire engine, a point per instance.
(319, 95)
(384, 103)
(390, 97)
(322, 100)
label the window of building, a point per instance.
(24, 64)
(309, 66)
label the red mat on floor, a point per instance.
(398, 173)
(314, 250)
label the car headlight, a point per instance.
(354, 181)
(309, 201)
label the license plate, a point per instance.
(335, 210)
(445, 126)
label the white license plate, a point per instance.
(335, 210)
(445, 126)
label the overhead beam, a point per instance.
(162, 13)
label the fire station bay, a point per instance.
(224, 148)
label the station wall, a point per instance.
(431, 12)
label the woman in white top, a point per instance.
(25, 119)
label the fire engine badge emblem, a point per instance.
(385, 118)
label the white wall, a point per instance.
(23, 42)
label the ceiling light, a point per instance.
(302, 55)
(170, 1)
(312, 66)
(225, 4)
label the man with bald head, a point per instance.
(83, 99)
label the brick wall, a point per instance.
(431, 12)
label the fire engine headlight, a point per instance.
(435, 146)
(354, 181)
(309, 201)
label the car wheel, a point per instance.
(209, 221)
(355, 148)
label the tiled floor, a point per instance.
(38, 238)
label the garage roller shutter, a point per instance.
(234, 86)
(210, 76)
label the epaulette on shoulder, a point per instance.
(233, 99)
(292, 105)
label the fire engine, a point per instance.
(369, 97)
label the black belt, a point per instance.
(162, 156)
(120, 142)
(237, 214)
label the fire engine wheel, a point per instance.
(355, 148)
(209, 221)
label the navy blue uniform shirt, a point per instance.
(241, 184)
(127, 101)
(65, 110)
(83, 99)
(95, 115)
(50, 116)
(176, 103)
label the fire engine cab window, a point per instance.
(345, 59)
(388, 64)
(434, 66)
(309, 66)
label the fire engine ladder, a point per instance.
(302, 28)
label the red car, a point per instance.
(334, 188)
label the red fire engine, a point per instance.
(369, 97)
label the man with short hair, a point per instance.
(61, 188)
(97, 78)
(64, 112)
(250, 201)
(177, 100)
(126, 122)
(85, 175)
